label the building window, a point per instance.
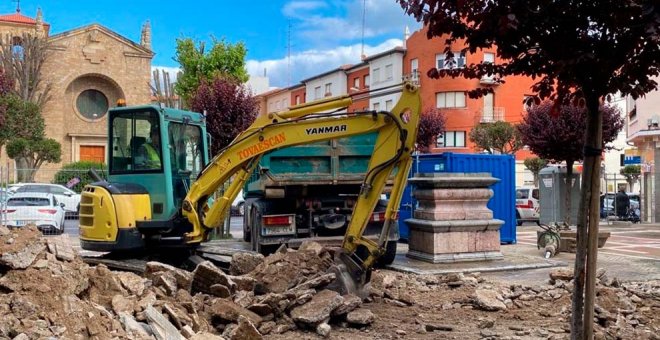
(92, 104)
(328, 89)
(356, 83)
(388, 105)
(376, 106)
(414, 68)
(297, 100)
(367, 81)
(446, 100)
(317, 92)
(458, 60)
(451, 139)
(376, 74)
(489, 58)
(388, 72)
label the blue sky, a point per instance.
(324, 34)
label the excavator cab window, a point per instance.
(187, 156)
(136, 145)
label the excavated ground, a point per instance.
(47, 291)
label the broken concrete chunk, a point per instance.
(161, 327)
(245, 330)
(487, 299)
(207, 274)
(220, 291)
(166, 280)
(311, 246)
(243, 282)
(132, 282)
(319, 281)
(22, 258)
(563, 274)
(228, 311)
(206, 336)
(132, 327)
(244, 262)
(318, 309)
(182, 277)
(361, 317)
(267, 327)
(121, 304)
(350, 302)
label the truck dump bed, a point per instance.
(338, 161)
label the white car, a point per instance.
(70, 198)
(238, 206)
(527, 205)
(41, 209)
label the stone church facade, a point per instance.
(90, 68)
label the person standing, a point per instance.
(622, 203)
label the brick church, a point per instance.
(90, 69)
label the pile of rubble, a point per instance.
(47, 291)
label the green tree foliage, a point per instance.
(199, 64)
(431, 124)
(79, 170)
(632, 173)
(31, 154)
(22, 119)
(579, 51)
(535, 165)
(229, 107)
(496, 138)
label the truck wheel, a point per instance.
(390, 254)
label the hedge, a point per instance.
(79, 170)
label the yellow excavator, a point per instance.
(149, 198)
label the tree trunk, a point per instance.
(587, 227)
(568, 191)
(536, 179)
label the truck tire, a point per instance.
(388, 257)
(247, 237)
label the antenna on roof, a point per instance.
(364, 16)
(18, 5)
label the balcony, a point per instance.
(413, 77)
(488, 80)
(491, 115)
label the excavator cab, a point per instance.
(154, 155)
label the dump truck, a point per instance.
(312, 190)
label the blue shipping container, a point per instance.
(503, 202)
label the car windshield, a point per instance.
(522, 194)
(28, 202)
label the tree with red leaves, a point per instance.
(431, 124)
(561, 138)
(229, 108)
(580, 52)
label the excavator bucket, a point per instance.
(351, 277)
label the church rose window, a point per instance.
(92, 104)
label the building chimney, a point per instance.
(145, 39)
(406, 35)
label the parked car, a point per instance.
(238, 206)
(4, 195)
(70, 198)
(607, 203)
(42, 209)
(527, 205)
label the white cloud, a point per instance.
(313, 62)
(296, 9)
(319, 26)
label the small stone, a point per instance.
(634, 298)
(220, 291)
(312, 246)
(400, 332)
(350, 302)
(21, 336)
(436, 327)
(488, 300)
(361, 316)
(120, 304)
(395, 303)
(41, 264)
(447, 306)
(267, 327)
(318, 309)
(486, 323)
(4, 231)
(323, 329)
(10, 241)
(187, 331)
(206, 336)
(563, 274)
(244, 262)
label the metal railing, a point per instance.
(491, 114)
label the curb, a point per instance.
(408, 269)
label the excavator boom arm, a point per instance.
(397, 131)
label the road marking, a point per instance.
(625, 255)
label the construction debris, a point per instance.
(46, 292)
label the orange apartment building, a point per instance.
(449, 95)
